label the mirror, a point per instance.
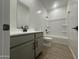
(23, 14)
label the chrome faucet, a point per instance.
(25, 28)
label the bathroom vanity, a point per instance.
(38, 43)
(26, 45)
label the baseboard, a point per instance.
(4, 57)
(72, 53)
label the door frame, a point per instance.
(5, 19)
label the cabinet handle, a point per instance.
(37, 43)
(34, 45)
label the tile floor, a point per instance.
(56, 51)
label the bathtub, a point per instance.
(57, 39)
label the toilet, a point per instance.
(47, 41)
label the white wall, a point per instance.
(13, 6)
(72, 19)
(23, 14)
(56, 22)
(35, 21)
(57, 13)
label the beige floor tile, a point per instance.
(56, 51)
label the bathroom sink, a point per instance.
(20, 32)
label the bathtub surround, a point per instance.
(57, 25)
(56, 17)
(56, 21)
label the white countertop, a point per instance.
(20, 32)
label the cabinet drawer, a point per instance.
(20, 39)
(25, 51)
(39, 34)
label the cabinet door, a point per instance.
(39, 46)
(25, 51)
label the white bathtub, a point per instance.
(57, 39)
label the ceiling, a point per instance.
(48, 4)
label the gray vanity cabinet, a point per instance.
(22, 47)
(38, 43)
(25, 51)
(26, 46)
